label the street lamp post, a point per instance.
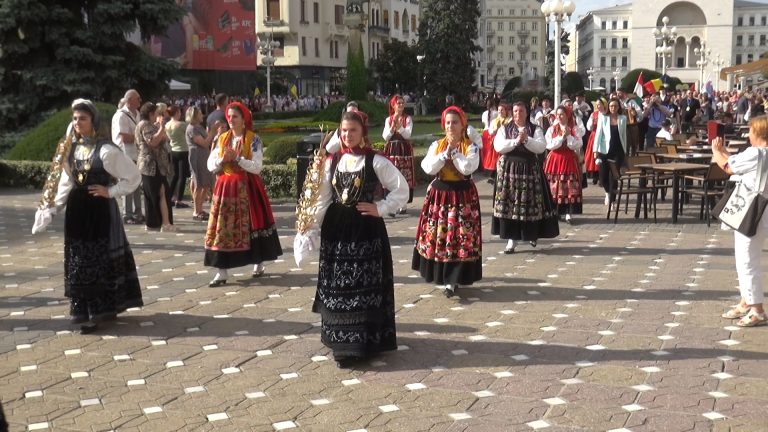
(616, 76)
(266, 49)
(591, 76)
(717, 64)
(557, 11)
(667, 37)
(702, 62)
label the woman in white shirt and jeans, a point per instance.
(747, 250)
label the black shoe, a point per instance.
(88, 328)
(258, 273)
(533, 243)
(78, 319)
(180, 204)
(450, 291)
(594, 180)
(346, 362)
(509, 251)
(217, 283)
(392, 215)
(402, 211)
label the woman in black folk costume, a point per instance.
(523, 209)
(89, 172)
(355, 288)
(397, 133)
(448, 247)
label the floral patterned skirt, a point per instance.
(99, 270)
(241, 228)
(449, 236)
(522, 202)
(564, 176)
(355, 286)
(400, 153)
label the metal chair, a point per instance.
(621, 185)
(710, 188)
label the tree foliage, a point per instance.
(572, 83)
(447, 34)
(52, 51)
(509, 88)
(397, 68)
(357, 77)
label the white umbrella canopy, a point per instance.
(178, 85)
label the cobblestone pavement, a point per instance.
(609, 327)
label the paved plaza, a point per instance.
(609, 327)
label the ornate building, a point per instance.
(730, 31)
(512, 35)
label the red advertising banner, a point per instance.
(213, 35)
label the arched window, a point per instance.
(405, 21)
(602, 82)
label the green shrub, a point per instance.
(376, 111)
(24, 174)
(280, 149)
(281, 115)
(279, 180)
(39, 143)
(300, 126)
(378, 145)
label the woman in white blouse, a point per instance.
(99, 270)
(748, 250)
(355, 285)
(241, 227)
(562, 163)
(397, 134)
(522, 203)
(448, 247)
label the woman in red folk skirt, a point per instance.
(397, 133)
(241, 227)
(490, 155)
(601, 107)
(562, 164)
(448, 247)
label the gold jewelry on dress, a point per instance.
(48, 199)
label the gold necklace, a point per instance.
(350, 184)
(83, 158)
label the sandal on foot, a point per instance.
(752, 319)
(735, 313)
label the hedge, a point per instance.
(39, 143)
(280, 180)
(280, 150)
(376, 111)
(281, 115)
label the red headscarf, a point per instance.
(247, 119)
(393, 106)
(364, 147)
(457, 110)
(571, 125)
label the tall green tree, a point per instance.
(357, 77)
(52, 51)
(447, 34)
(397, 68)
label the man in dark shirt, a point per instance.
(690, 107)
(218, 115)
(742, 105)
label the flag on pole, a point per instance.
(639, 86)
(692, 87)
(294, 91)
(710, 89)
(256, 92)
(653, 85)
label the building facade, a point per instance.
(512, 35)
(731, 32)
(313, 39)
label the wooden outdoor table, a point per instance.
(686, 157)
(676, 168)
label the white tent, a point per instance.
(178, 85)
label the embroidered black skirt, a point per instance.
(355, 288)
(523, 208)
(99, 270)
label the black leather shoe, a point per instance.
(450, 291)
(533, 243)
(509, 251)
(217, 283)
(88, 328)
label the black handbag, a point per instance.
(741, 207)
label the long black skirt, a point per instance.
(523, 208)
(151, 187)
(355, 288)
(99, 270)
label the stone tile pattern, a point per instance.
(609, 327)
